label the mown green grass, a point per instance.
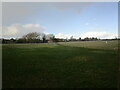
(62, 65)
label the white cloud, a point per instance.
(101, 35)
(12, 30)
(18, 30)
(68, 36)
(64, 36)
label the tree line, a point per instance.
(35, 37)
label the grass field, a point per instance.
(88, 64)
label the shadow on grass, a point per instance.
(62, 66)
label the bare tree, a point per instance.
(44, 38)
(32, 35)
(71, 38)
(52, 37)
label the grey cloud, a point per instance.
(76, 6)
(18, 12)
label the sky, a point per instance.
(63, 19)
